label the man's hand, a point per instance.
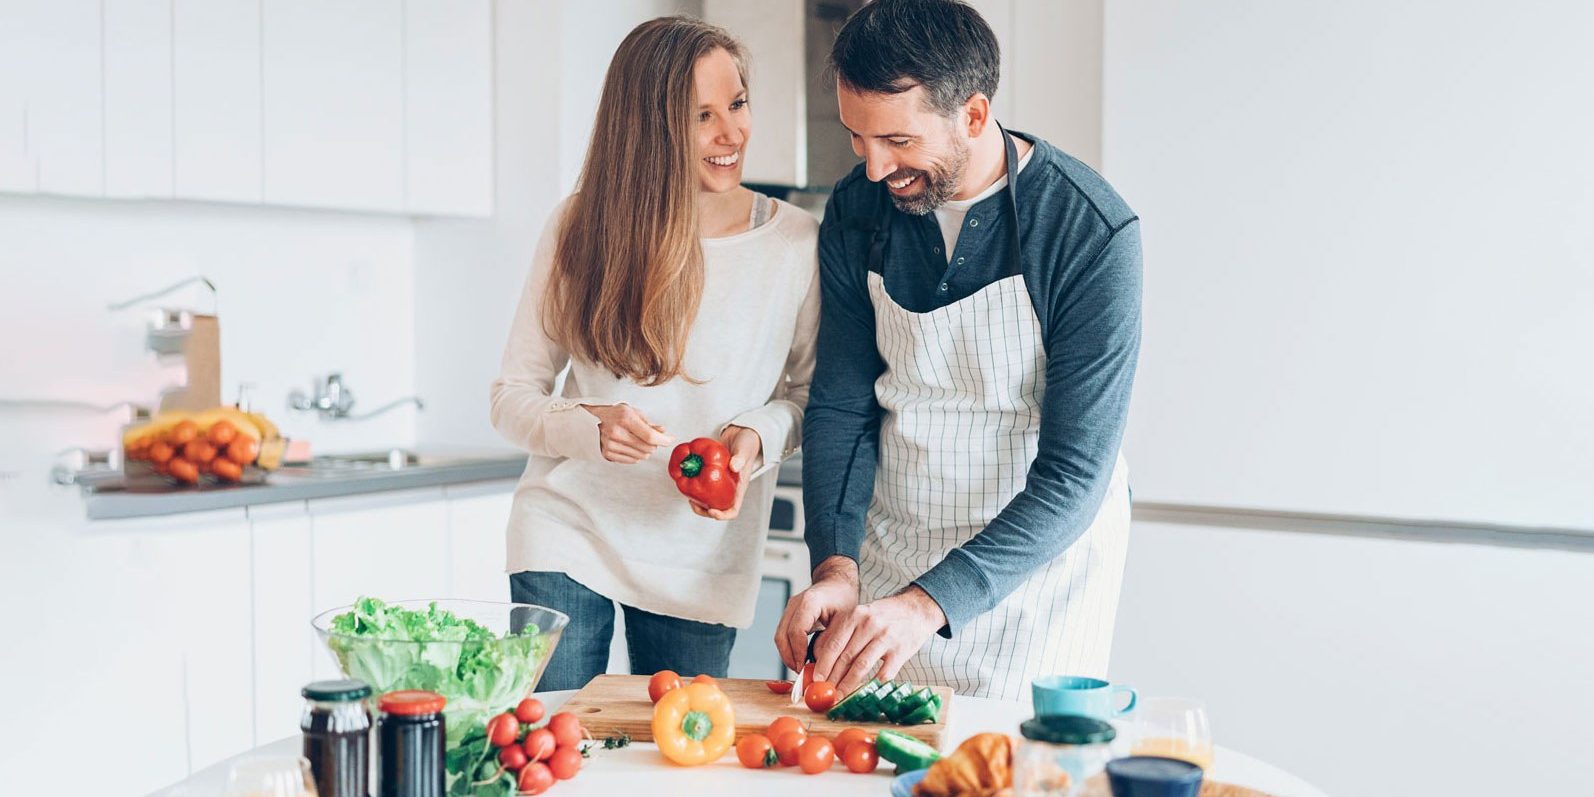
(834, 590)
(882, 635)
(747, 455)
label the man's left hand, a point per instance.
(881, 636)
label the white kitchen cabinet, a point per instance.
(285, 644)
(773, 34)
(448, 107)
(477, 518)
(57, 47)
(216, 99)
(391, 546)
(138, 98)
(17, 174)
(333, 103)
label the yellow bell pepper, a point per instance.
(694, 724)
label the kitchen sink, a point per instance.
(338, 466)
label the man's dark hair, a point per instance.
(890, 46)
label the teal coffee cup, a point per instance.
(1081, 696)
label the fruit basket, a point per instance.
(218, 445)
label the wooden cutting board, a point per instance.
(610, 705)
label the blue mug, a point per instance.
(1076, 694)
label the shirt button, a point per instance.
(943, 287)
(936, 249)
(974, 222)
(960, 261)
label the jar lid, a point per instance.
(1067, 729)
(335, 691)
(411, 702)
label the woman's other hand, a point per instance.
(625, 435)
(747, 455)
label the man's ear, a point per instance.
(976, 114)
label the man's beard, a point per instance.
(939, 184)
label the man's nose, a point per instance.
(878, 165)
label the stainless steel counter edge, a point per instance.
(115, 505)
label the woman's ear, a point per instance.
(976, 114)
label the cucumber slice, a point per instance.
(923, 715)
(912, 702)
(906, 752)
(868, 706)
(847, 708)
(893, 699)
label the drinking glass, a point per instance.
(1173, 727)
(270, 776)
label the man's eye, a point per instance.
(899, 142)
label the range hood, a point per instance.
(798, 140)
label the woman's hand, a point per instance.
(625, 435)
(747, 455)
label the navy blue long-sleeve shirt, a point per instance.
(1082, 267)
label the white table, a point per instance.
(640, 769)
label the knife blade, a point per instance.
(800, 682)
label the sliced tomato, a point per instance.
(779, 687)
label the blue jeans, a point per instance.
(656, 642)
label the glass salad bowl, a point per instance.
(484, 657)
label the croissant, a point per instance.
(982, 766)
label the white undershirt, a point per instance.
(950, 214)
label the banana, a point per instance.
(240, 420)
(268, 430)
(154, 427)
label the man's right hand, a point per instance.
(834, 590)
(625, 435)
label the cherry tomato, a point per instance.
(243, 451)
(502, 730)
(788, 745)
(705, 678)
(820, 696)
(661, 682)
(182, 433)
(779, 687)
(183, 470)
(227, 469)
(221, 433)
(756, 752)
(816, 755)
(529, 711)
(513, 758)
(565, 763)
(539, 744)
(535, 778)
(783, 724)
(566, 729)
(860, 757)
(850, 735)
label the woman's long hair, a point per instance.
(628, 267)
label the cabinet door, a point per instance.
(138, 98)
(284, 642)
(448, 107)
(216, 111)
(476, 527)
(391, 546)
(63, 67)
(334, 103)
(17, 174)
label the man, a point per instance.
(967, 507)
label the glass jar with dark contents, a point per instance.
(410, 745)
(337, 737)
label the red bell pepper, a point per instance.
(702, 471)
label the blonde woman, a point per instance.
(685, 305)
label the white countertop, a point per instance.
(639, 769)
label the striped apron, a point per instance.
(961, 395)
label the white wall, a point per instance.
(1051, 70)
(299, 293)
(1369, 257)
(1370, 666)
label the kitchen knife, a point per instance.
(800, 683)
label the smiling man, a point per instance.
(967, 506)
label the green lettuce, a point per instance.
(392, 648)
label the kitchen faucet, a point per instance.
(333, 400)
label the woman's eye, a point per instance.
(704, 116)
(738, 105)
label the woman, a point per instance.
(685, 306)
